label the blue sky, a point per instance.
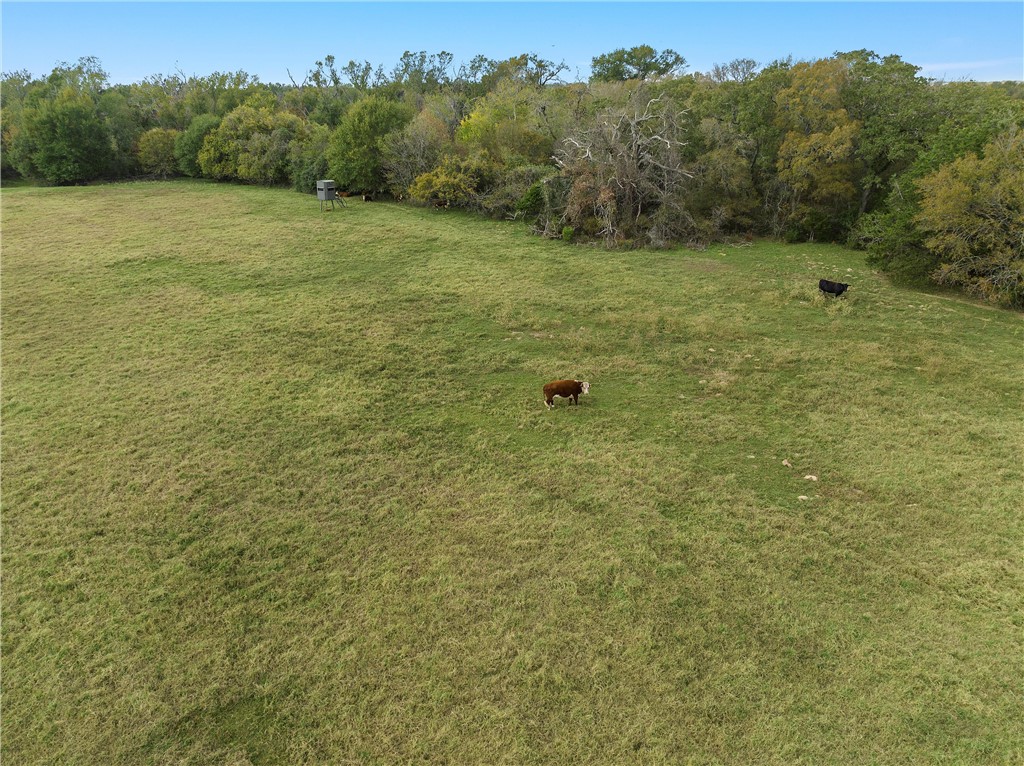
(133, 40)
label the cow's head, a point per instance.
(586, 387)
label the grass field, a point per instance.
(279, 487)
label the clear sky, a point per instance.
(133, 40)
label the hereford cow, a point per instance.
(566, 389)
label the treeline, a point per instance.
(928, 177)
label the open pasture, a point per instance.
(279, 486)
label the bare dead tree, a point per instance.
(624, 167)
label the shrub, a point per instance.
(355, 152)
(972, 214)
(251, 144)
(124, 125)
(893, 241)
(532, 201)
(508, 195)
(414, 150)
(265, 158)
(189, 142)
(65, 140)
(459, 181)
(309, 158)
(156, 151)
(509, 124)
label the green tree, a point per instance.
(816, 160)
(972, 215)
(738, 71)
(156, 151)
(450, 107)
(422, 73)
(218, 93)
(64, 140)
(965, 116)
(323, 96)
(363, 77)
(189, 142)
(124, 125)
(511, 124)
(734, 111)
(84, 76)
(308, 158)
(14, 87)
(413, 150)
(527, 68)
(158, 101)
(894, 108)
(756, 117)
(61, 135)
(251, 144)
(968, 116)
(641, 62)
(355, 153)
(734, 143)
(721, 196)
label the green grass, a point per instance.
(280, 487)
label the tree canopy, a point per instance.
(641, 62)
(854, 147)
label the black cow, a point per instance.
(833, 288)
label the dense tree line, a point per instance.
(928, 177)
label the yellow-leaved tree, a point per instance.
(972, 214)
(817, 159)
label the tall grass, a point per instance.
(279, 486)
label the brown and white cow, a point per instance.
(565, 389)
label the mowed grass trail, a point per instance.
(279, 487)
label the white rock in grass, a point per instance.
(787, 464)
(803, 497)
(812, 478)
